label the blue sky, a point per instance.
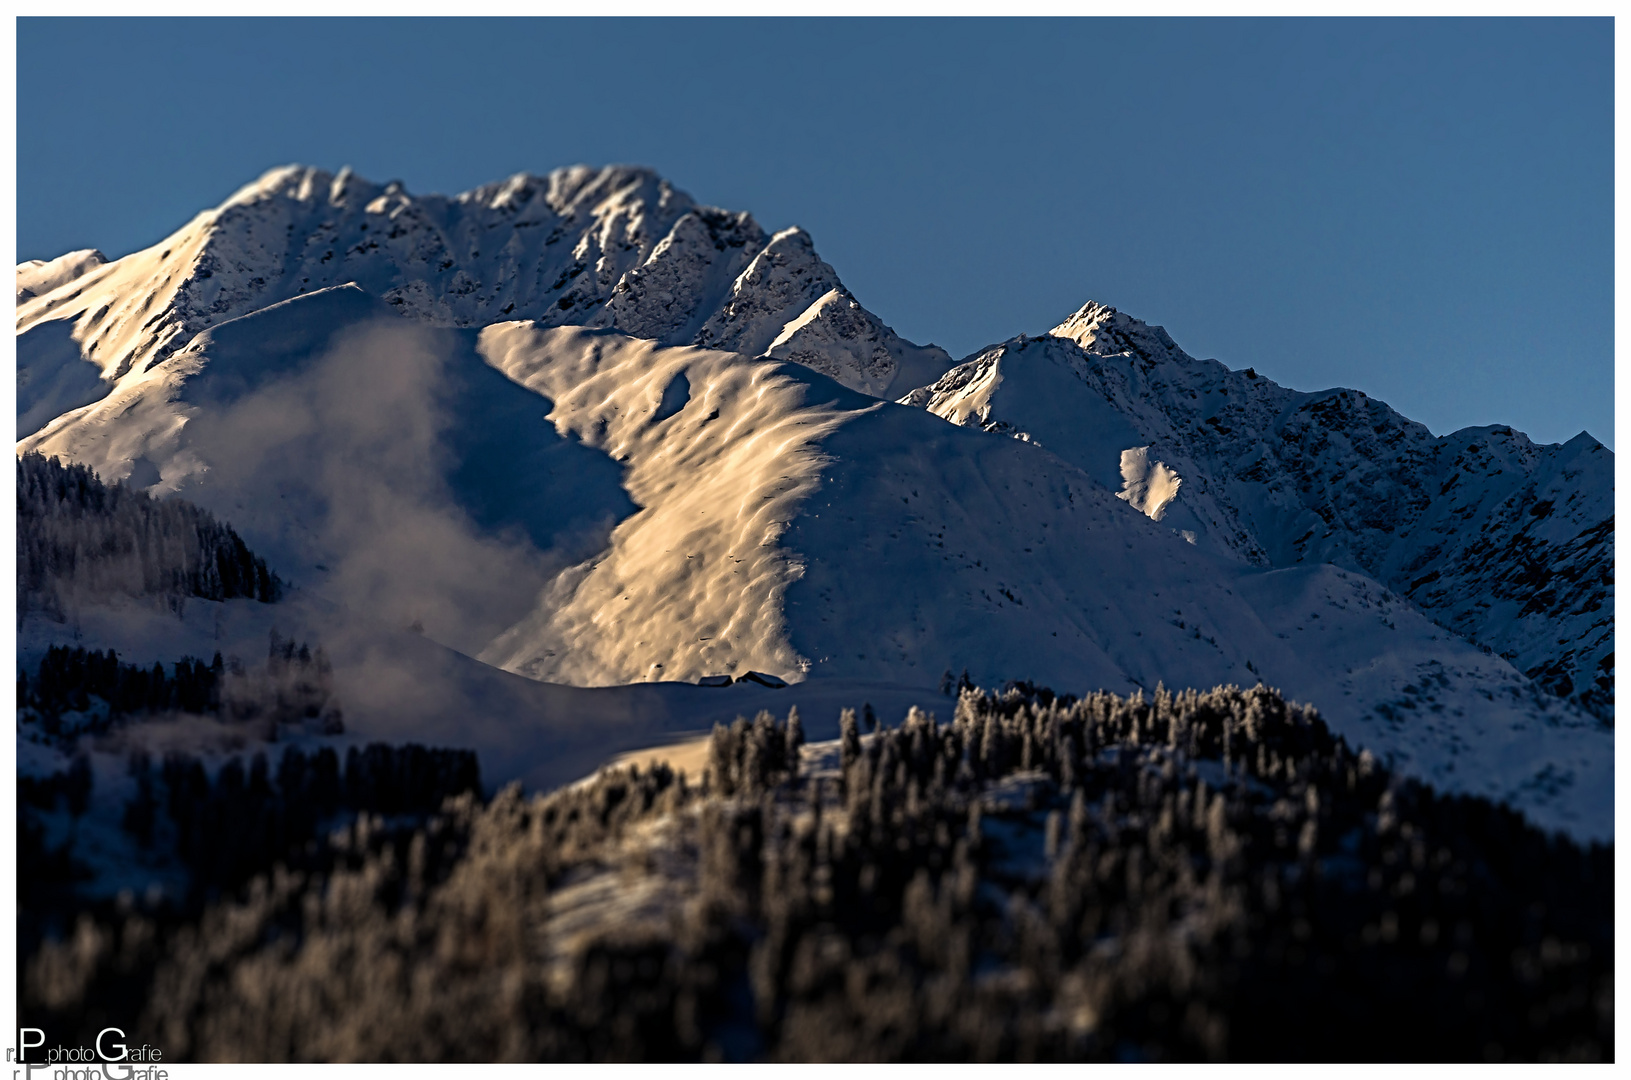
(1421, 209)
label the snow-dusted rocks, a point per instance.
(1496, 538)
(616, 247)
(790, 305)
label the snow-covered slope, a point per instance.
(1499, 539)
(588, 508)
(616, 247)
(52, 376)
(370, 454)
(791, 526)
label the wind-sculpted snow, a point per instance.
(692, 584)
(39, 276)
(615, 247)
(1498, 539)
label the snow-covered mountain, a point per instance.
(614, 247)
(1506, 542)
(623, 476)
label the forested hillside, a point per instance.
(1190, 876)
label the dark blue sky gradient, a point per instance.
(1421, 209)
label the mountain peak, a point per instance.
(1104, 331)
(575, 188)
(1083, 325)
(284, 179)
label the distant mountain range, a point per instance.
(584, 430)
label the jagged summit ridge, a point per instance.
(616, 247)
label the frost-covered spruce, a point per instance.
(80, 538)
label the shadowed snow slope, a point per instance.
(373, 458)
(1496, 538)
(396, 686)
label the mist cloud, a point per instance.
(339, 469)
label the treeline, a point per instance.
(71, 680)
(1192, 876)
(78, 538)
(88, 692)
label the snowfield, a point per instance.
(535, 456)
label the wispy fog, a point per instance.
(338, 472)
